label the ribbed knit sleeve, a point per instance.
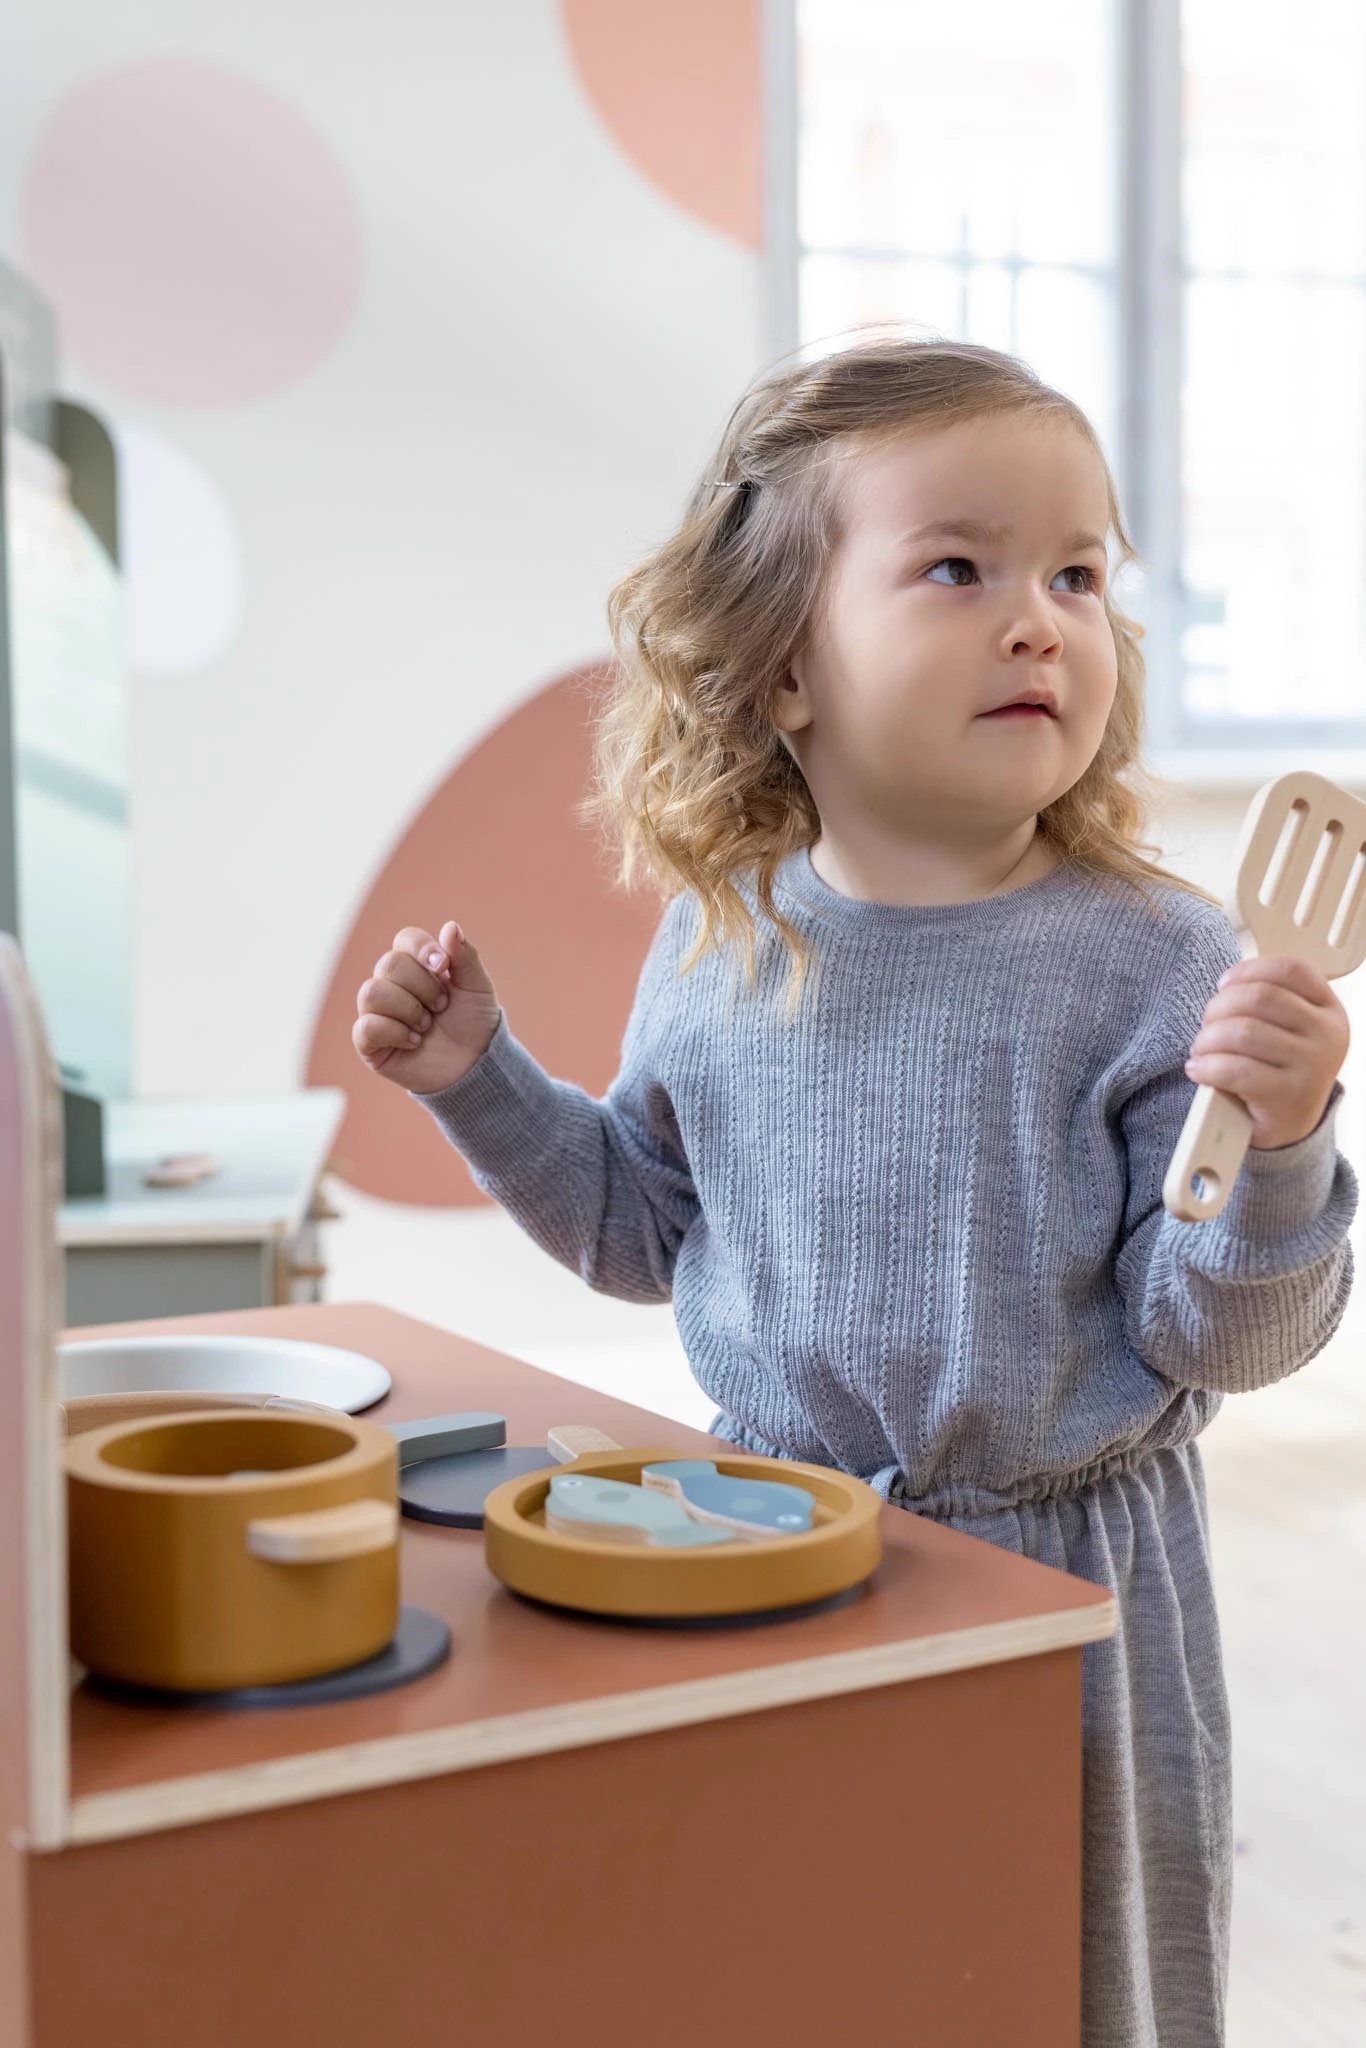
(602, 1185)
(1252, 1294)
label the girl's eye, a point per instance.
(1088, 579)
(953, 562)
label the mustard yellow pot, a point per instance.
(231, 1547)
(101, 1411)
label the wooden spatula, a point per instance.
(1300, 888)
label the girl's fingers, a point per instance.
(373, 1034)
(1269, 1000)
(382, 998)
(1266, 1091)
(1249, 1038)
(468, 973)
(1280, 970)
(402, 967)
(430, 958)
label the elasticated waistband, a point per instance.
(955, 1503)
(966, 1502)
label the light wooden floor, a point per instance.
(1287, 1482)
(1287, 1485)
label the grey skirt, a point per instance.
(1157, 1849)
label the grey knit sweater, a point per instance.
(918, 1231)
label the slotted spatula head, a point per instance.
(1300, 889)
(1301, 885)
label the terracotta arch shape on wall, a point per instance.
(500, 847)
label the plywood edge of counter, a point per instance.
(219, 1795)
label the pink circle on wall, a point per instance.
(680, 86)
(195, 233)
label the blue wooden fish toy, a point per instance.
(757, 1508)
(609, 1511)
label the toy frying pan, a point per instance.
(449, 1464)
(744, 1577)
(1300, 888)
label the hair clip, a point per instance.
(744, 483)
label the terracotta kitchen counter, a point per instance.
(868, 1816)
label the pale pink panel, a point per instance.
(679, 83)
(499, 848)
(194, 231)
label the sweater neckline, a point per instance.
(797, 886)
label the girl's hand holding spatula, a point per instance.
(1274, 1035)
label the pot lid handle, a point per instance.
(325, 1533)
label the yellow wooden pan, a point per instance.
(745, 1577)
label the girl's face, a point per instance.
(971, 569)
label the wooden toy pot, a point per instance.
(231, 1548)
(102, 1411)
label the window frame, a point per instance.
(1151, 270)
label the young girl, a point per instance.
(874, 732)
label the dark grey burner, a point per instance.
(420, 1644)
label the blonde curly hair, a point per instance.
(691, 775)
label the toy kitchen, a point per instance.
(367, 1683)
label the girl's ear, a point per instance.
(791, 702)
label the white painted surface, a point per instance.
(271, 1152)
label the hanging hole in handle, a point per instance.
(1205, 1186)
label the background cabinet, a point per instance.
(247, 1238)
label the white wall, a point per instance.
(402, 544)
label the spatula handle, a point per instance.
(568, 1440)
(1213, 1143)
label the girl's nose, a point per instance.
(1033, 629)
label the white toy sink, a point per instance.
(221, 1365)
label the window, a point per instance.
(1161, 205)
